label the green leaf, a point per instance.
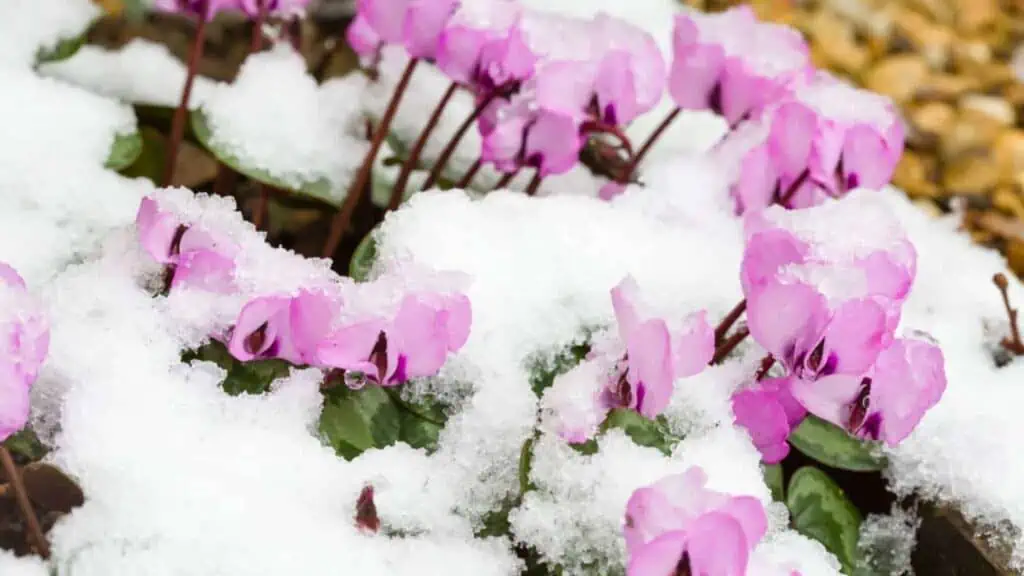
(525, 464)
(354, 421)
(821, 511)
(642, 430)
(362, 259)
(26, 446)
(544, 369)
(124, 151)
(253, 377)
(319, 189)
(64, 49)
(773, 478)
(832, 446)
(150, 163)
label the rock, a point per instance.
(898, 77)
(1008, 199)
(947, 87)
(975, 15)
(912, 175)
(833, 44)
(1015, 256)
(992, 106)
(931, 122)
(970, 175)
(1008, 153)
(973, 131)
(929, 40)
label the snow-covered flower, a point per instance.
(414, 24)
(769, 412)
(677, 525)
(194, 256)
(733, 64)
(24, 342)
(484, 47)
(286, 327)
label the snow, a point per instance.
(182, 479)
(140, 72)
(276, 118)
(28, 26)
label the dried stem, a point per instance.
(729, 344)
(729, 319)
(467, 178)
(649, 143)
(181, 113)
(341, 220)
(534, 185)
(28, 514)
(506, 179)
(1013, 343)
(414, 154)
(449, 149)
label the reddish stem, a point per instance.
(729, 344)
(256, 40)
(449, 149)
(463, 183)
(28, 514)
(534, 185)
(506, 179)
(366, 511)
(224, 183)
(414, 154)
(730, 319)
(341, 220)
(792, 190)
(766, 364)
(180, 114)
(259, 215)
(616, 131)
(649, 143)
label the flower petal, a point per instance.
(909, 378)
(786, 319)
(855, 336)
(828, 397)
(650, 366)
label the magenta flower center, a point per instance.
(683, 567)
(858, 410)
(379, 355)
(254, 342)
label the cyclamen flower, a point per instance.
(733, 64)
(484, 47)
(821, 142)
(630, 76)
(678, 526)
(524, 135)
(414, 344)
(636, 372)
(24, 342)
(871, 258)
(769, 412)
(287, 327)
(195, 257)
(415, 24)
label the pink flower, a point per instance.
(677, 523)
(870, 259)
(769, 412)
(415, 24)
(889, 400)
(824, 140)
(287, 327)
(24, 342)
(657, 353)
(195, 257)
(733, 64)
(484, 47)
(630, 77)
(524, 135)
(414, 344)
(364, 40)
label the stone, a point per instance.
(970, 175)
(947, 87)
(1008, 153)
(898, 77)
(975, 15)
(1007, 198)
(972, 132)
(833, 44)
(992, 106)
(912, 175)
(931, 41)
(933, 120)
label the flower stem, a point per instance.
(729, 344)
(464, 182)
(649, 143)
(225, 181)
(414, 154)
(506, 179)
(355, 191)
(766, 364)
(729, 320)
(534, 185)
(259, 215)
(791, 191)
(28, 514)
(449, 149)
(256, 40)
(1013, 344)
(180, 114)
